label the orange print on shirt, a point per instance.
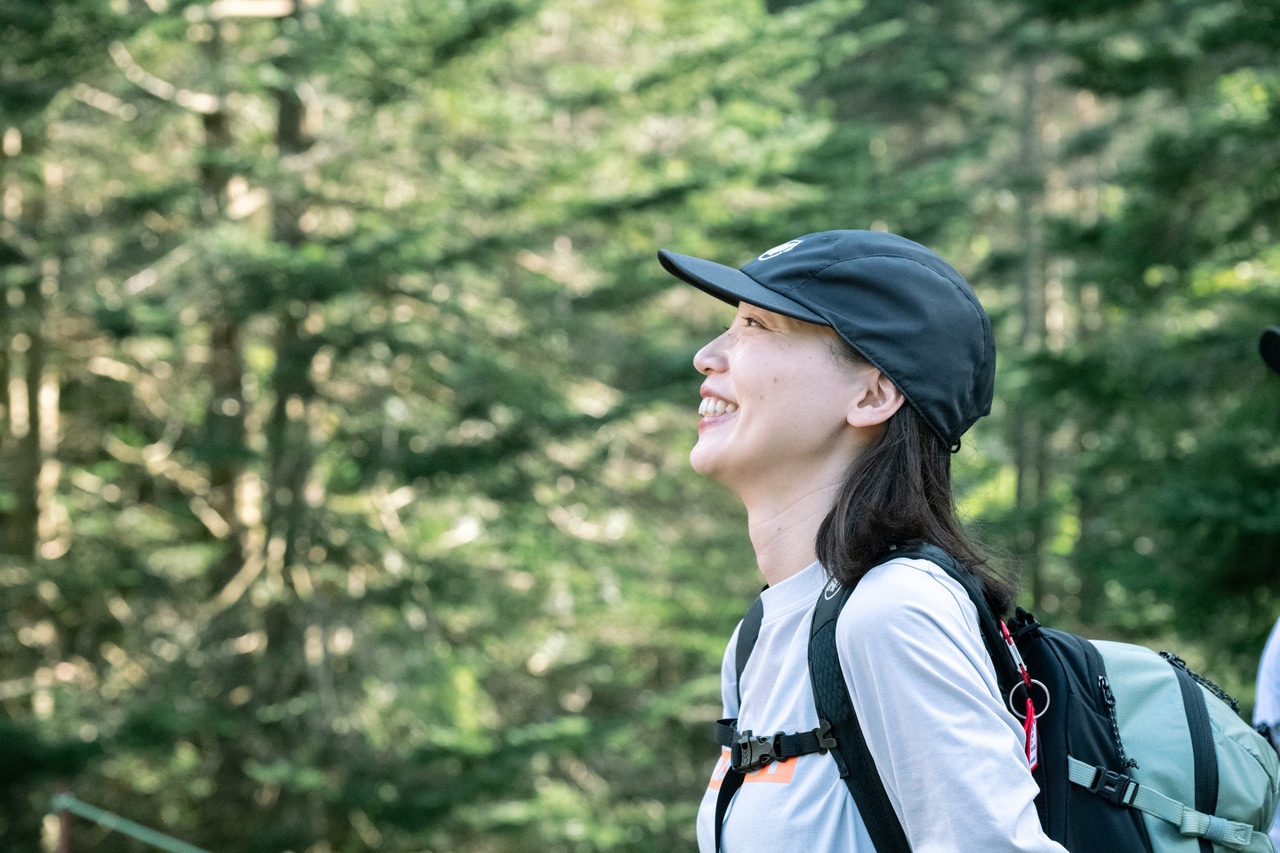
(776, 771)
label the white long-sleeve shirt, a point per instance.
(1266, 708)
(951, 757)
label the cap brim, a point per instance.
(1269, 346)
(733, 286)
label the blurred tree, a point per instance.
(373, 518)
(345, 500)
(1170, 259)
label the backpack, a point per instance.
(1132, 751)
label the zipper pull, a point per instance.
(1107, 695)
(1110, 699)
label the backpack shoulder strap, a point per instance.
(726, 730)
(748, 633)
(835, 706)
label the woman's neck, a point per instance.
(783, 533)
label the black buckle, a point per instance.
(825, 739)
(751, 752)
(1111, 785)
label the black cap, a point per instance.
(900, 305)
(1269, 346)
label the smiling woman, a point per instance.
(779, 405)
(831, 407)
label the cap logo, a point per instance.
(779, 250)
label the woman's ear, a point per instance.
(876, 401)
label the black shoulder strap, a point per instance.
(853, 757)
(831, 694)
(747, 636)
(732, 780)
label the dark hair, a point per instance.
(896, 492)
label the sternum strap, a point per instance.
(750, 752)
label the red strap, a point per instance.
(1032, 736)
(1032, 739)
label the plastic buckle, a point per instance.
(751, 752)
(825, 739)
(1111, 785)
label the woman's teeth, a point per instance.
(712, 406)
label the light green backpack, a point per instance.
(1158, 731)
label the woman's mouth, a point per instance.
(712, 406)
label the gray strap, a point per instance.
(1123, 790)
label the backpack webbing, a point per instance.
(748, 752)
(732, 780)
(1203, 754)
(835, 706)
(747, 636)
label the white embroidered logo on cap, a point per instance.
(779, 250)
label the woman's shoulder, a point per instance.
(900, 593)
(910, 616)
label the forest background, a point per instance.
(344, 498)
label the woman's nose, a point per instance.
(711, 357)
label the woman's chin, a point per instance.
(707, 461)
(702, 460)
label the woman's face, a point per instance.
(778, 404)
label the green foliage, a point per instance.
(1157, 392)
(372, 522)
(344, 498)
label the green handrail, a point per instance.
(109, 821)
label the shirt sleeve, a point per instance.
(951, 757)
(1267, 706)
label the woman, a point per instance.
(831, 406)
